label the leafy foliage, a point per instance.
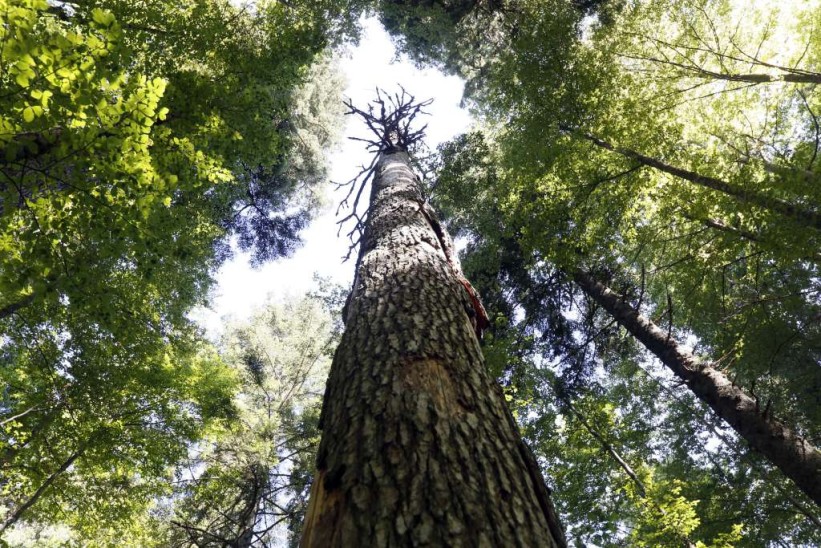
(665, 86)
(136, 139)
(245, 480)
(669, 147)
(661, 428)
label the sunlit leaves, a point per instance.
(125, 133)
(250, 475)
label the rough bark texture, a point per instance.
(418, 447)
(795, 456)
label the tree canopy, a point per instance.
(668, 150)
(138, 139)
(250, 479)
(662, 151)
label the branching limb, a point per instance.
(389, 119)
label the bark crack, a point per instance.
(476, 311)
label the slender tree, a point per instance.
(418, 445)
(806, 216)
(794, 455)
(249, 477)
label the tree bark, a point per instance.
(761, 78)
(418, 447)
(805, 216)
(796, 457)
(257, 478)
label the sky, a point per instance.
(242, 289)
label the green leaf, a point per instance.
(22, 79)
(103, 17)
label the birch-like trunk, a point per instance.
(418, 447)
(795, 456)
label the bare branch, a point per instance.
(389, 119)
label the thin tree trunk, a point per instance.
(10, 453)
(608, 447)
(796, 457)
(418, 447)
(745, 234)
(795, 76)
(257, 481)
(761, 78)
(804, 216)
(32, 500)
(18, 415)
(718, 225)
(624, 466)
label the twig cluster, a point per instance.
(389, 118)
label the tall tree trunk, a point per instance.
(795, 76)
(796, 457)
(254, 490)
(418, 447)
(761, 78)
(804, 216)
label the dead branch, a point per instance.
(389, 119)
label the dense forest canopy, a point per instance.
(138, 138)
(666, 150)
(639, 201)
